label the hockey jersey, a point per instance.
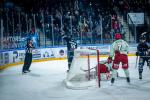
(120, 46)
(71, 44)
(143, 49)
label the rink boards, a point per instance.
(14, 57)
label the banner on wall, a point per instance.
(6, 57)
(62, 52)
(36, 54)
(59, 52)
(104, 49)
(18, 55)
(1, 59)
(47, 53)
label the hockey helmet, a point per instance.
(142, 37)
(117, 36)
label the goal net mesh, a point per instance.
(82, 73)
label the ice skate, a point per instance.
(68, 71)
(28, 70)
(112, 81)
(24, 72)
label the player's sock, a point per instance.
(140, 76)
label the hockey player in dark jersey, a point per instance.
(143, 53)
(28, 56)
(71, 45)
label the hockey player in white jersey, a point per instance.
(118, 52)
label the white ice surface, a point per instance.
(45, 82)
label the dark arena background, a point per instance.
(89, 21)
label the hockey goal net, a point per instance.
(83, 72)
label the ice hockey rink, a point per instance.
(45, 82)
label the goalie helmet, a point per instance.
(117, 36)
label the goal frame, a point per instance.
(87, 55)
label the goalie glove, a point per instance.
(109, 60)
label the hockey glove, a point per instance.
(137, 53)
(109, 60)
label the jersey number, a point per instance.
(73, 45)
(119, 46)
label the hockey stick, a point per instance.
(137, 59)
(91, 68)
(85, 69)
(136, 62)
(144, 56)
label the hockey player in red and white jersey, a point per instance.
(104, 70)
(118, 52)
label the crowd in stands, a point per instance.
(89, 21)
(126, 6)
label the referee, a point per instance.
(28, 56)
